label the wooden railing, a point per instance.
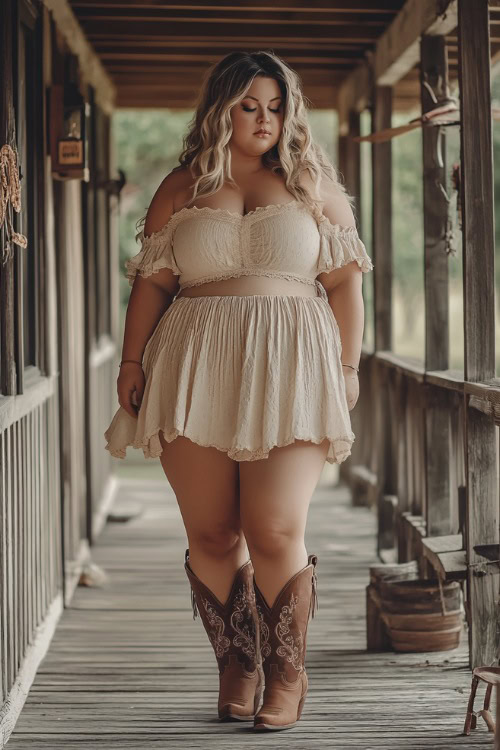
(30, 533)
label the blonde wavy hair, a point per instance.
(206, 149)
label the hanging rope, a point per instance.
(10, 198)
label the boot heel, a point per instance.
(258, 693)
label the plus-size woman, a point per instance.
(239, 367)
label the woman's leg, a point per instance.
(206, 484)
(274, 500)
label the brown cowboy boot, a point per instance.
(233, 630)
(283, 633)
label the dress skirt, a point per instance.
(243, 374)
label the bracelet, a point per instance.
(130, 360)
(351, 366)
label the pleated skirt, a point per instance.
(243, 374)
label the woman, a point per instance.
(243, 383)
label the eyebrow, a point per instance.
(271, 100)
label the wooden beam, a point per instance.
(191, 30)
(396, 52)
(193, 56)
(389, 7)
(398, 49)
(214, 14)
(479, 314)
(91, 68)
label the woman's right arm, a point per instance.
(149, 299)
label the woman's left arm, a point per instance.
(345, 296)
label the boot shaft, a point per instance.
(283, 627)
(231, 627)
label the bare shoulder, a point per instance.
(336, 206)
(165, 200)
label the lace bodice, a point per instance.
(282, 240)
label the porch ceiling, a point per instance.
(155, 52)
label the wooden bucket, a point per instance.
(420, 616)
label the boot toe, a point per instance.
(272, 720)
(235, 712)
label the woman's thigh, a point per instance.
(275, 492)
(206, 484)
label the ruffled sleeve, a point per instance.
(157, 252)
(340, 245)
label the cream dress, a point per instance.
(243, 373)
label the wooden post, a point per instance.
(382, 254)
(353, 159)
(497, 716)
(8, 374)
(342, 157)
(434, 72)
(382, 218)
(479, 319)
(351, 166)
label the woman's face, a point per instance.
(261, 108)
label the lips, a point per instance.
(262, 132)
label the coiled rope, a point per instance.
(10, 198)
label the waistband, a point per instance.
(320, 289)
(321, 294)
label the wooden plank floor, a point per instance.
(129, 668)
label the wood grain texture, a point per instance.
(129, 668)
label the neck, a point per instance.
(243, 165)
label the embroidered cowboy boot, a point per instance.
(233, 630)
(283, 633)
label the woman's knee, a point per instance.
(273, 540)
(217, 540)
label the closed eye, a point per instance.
(247, 109)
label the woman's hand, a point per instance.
(130, 381)
(351, 386)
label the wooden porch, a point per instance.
(422, 483)
(129, 668)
